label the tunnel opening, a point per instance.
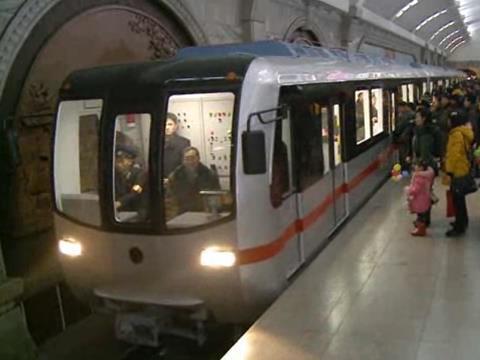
(70, 36)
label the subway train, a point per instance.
(238, 161)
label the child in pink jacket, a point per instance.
(419, 196)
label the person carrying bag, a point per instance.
(458, 165)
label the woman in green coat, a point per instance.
(425, 143)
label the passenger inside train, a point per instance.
(174, 145)
(189, 179)
(130, 179)
(132, 132)
(196, 160)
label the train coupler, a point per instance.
(147, 329)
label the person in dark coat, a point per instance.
(403, 132)
(440, 118)
(174, 145)
(130, 180)
(470, 104)
(189, 179)
(424, 140)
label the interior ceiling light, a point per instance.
(457, 46)
(451, 23)
(453, 42)
(430, 18)
(406, 8)
(448, 37)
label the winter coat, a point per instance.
(457, 162)
(419, 191)
(424, 144)
(173, 153)
(187, 190)
(473, 119)
(440, 118)
(403, 131)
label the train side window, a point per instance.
(404, 89)
(389, 103)
(281, 163)
(393, 113)
(337, 135)
(76, 160)
(362, 115)
(411, 93)
(325, 139)
(130, 172)
(377, 111)
(309, 135)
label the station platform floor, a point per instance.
(376, 292)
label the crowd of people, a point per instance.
(436, 138)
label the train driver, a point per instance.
(174, 145)
(130, 179)
(186, 182)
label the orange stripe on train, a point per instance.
(264, 252)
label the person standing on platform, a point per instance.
(440, 118)
(402, 136)
(425, 138)
(458, 166)
(419, 196)
(470, 105)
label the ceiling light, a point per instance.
(430, 18)
(451, 23)
(406, 8)
(457, 46)
(453, 42)
(449, 36)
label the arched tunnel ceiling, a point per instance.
(446, 24)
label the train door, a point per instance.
(338, 173)
(283, 191)
(313, 153)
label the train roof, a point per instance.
(285, 63)
(130, 78)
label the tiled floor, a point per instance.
(378, 293)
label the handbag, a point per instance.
(450, 206)
(464, 185)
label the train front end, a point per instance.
(144, 193)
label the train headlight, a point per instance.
(214, 257)
(70, 247)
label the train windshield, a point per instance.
(197, 154)
(194, 164)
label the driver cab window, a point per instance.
(76, 160)
(196, 159)
(130, 175)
